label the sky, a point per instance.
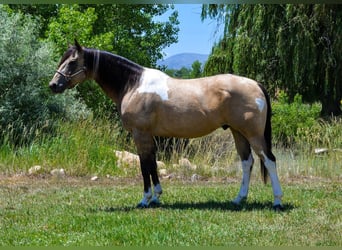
(194, 36)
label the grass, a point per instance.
(87, 148)
(77, 212)
(46, 210)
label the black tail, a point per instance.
(267, 135)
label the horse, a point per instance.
(151, 103)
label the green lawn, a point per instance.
(78, 212)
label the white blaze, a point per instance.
(154, 81)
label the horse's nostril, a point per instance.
(53, 86)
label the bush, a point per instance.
(289, 118)
(26, 66)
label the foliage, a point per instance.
(186, 73)
(196, 70)
(71, 23)
(87, 147)
(127, 30)
(294, 48)
(289, 118)
(25, 68)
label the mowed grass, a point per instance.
(77, 212)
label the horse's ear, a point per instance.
(78, 46)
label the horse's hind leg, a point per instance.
(269, 161)
(147, 155)
(244, 150)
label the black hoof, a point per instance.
(154, 204)
(278, 208)
(142, 205)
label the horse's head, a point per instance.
(71, 70)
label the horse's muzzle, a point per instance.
(56, 87)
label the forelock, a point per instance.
(66, 55)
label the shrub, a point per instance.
(289, 118)
(26, 66)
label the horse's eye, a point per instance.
(72, 63)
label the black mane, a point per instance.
(112, 70)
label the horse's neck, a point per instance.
(113, 73)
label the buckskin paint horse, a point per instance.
(153, 104)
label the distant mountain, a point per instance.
(183, 60)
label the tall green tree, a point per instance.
(132, 29)
(295, 48)
(26, 65)
(128, 30)
(196, 69)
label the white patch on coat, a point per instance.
(261, 104)
(154, 81)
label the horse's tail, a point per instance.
(267, 135)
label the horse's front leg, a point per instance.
(148, 164)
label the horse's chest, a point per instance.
(138, 111)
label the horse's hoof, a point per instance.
(142, 205)
(239, 201)
(278, 208)
(154, 203)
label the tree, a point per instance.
(295, 48)
(26, 107)
(127, 30)
(196, 70)
(186, 73)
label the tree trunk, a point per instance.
(331, 101)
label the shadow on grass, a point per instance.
(208, 205)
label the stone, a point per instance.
(94, 178)
(195, 177)
(58, 172)
(35, 170)
(185, 163)
(321, 150)
(161, 164)
(125, 158)
(163, 172)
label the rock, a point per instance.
(125, 158)
(175, 166)
(321, 150)
(195, 177)
(94, 178)
(163, 172)
(161, 164)
(185, 163)
(35, 170)
(169, 176)
(58, 172)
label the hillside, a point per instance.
(182, 60)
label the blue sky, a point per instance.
(194, 35)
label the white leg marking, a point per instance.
(154, 81)
(157, 192)
(147, 198)
(261, 103)
(272, 170)
(246, 170)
